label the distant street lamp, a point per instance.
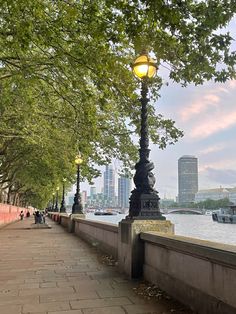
(144, 200)
(63, 208)
(77, 206)
(53, 201)
(56, 206)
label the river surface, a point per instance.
(194, 226)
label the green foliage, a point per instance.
(213, 204)
(66, 84)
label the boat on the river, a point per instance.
(225, 215)
(104, 213)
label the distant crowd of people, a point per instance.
(22, 214)
(39, 216)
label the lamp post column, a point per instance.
(53, 201)
(56, 206)
(63, 208)
(144, 200)
(144, 213)
(77, 207)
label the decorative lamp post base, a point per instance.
(62, 210)
(77, 209)
(144, 206)
(144, 199)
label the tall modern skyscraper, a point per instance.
(84, 197)
(187, 178)
(109, 184)
(92, 191)
(124, 188)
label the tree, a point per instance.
(214, 204)
(66, 82)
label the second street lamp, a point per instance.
(56, 206)
(77, 206)
(53, 201)
(63, 208)
(144, 200)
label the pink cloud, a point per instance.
(232, 84)
(210, 98)
(213, 124)
(221, 89)
(200, 106)
(220, 164)
(212, 149)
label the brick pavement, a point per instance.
(50, 271)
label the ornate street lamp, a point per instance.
(63, 208)
(77, 206)
(56, 206)
(53, 201)
(144, 200)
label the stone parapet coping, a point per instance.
(65, 215)
(221, 253)
(97, 224)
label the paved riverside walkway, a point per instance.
(50, 271)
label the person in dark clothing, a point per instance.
(21, 215)
(37, 217)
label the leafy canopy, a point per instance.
(66, 84)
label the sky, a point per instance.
(207, 115)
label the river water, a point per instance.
(195, 226)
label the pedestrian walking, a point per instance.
(21, 215)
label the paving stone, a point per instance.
(28, 286)
(48, 285)
(50, 306)
(143, 309)
(71, 270)
(64, 283)
(44, 272)
(53, 279)
(77, 276)
(103, 274)
(8, 291)
(34, 280)
(67, 312)
(68, 297)
(108, 293)
(92, 303)
(18, 300)
(105, 310)
(15, 281)
(41, 291)
(91, 285)
(137, 300)
(10, 309)
(37, 313)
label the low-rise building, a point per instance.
(216, 194)
(232, 194)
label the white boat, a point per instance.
(225, 215)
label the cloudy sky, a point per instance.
(207, 115)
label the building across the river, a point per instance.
(187, 179)
(216, 194)
(124, 188)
